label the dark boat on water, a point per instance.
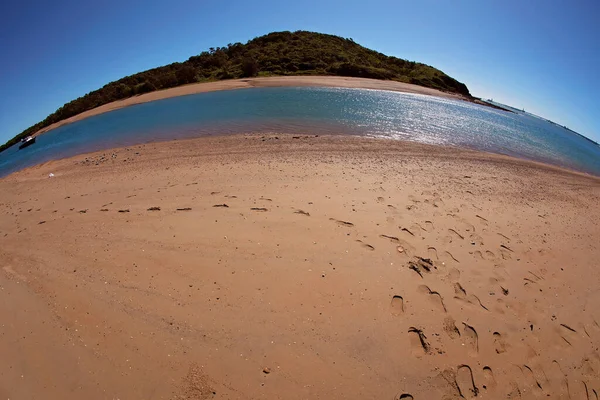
(28, 141)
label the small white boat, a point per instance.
(28, 141)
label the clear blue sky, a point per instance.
(542, 55)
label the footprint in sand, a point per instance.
(461, 295)
(397, 306)
(421, 266)
(417, 229)
(429, 226)
(448, 257)
(407, 231)
(579, 389)
(261, 209)
(465, 382)
(504, 236)
(455, 234)
(403, 396)
(413, 199)
(499, 343)
(568, 334)
(380, 199)
(459, 291)
(301, 212)
(452, 212)
(403, 246)
(513, 391)
(475, 239)
(483, 220)
(594, 328)
(342, 223)
(435, 202)
(474, 300)
(478, 255)
(365, 245)
(391, 238)
(418, 341)
(489, 379)
(505, 247)
(450, 328)
(531, 383)
(445, 240)
(471, 340)
(432, 253)
(559, 384)
(505, 254)
(434, 297)
(590, 366)
(454, 274)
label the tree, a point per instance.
(186, 74)
(123, 91)
(144, 88)
(249, 67)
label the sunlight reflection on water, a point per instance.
(374, 113)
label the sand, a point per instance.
(277, 81)
(300, 268)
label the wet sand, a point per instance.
(246, 267)
(276, 81)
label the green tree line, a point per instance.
(277, 53)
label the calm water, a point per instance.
(317, 111)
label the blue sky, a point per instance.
(541, 55)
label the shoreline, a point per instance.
(246, 83)
(270, 266)
(472, 153)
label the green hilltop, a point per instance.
(275, 54)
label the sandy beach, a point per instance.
(276, 81)
(280, 267)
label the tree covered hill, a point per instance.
(278, 53)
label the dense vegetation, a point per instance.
(278, 53)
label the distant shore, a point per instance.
(276, 81)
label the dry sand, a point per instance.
(307, 268)
(277, 81)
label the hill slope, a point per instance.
(278, 53)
